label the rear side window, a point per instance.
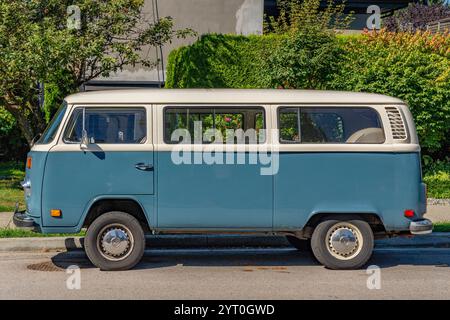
(107, 125)
(233, 125)
(330, 125)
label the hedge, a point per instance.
(221, 61)
(412, 67)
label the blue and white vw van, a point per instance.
(330, 170)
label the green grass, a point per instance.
(438, 184)
(11, 174)
(441, 226)
(20, 233)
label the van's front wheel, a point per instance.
(342, 244)
(115, 241)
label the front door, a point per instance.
(118, 161)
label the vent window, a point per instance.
(397, 124)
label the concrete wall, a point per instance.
(204, 16)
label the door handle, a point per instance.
(143, 166)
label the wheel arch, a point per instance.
(103, 205)
(374, 220)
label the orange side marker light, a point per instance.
(55, 213)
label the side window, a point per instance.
(50, 132)
(107, 125)
(330, 125)
(289, 125)
(232, 125)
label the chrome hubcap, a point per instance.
(344, 241)
(115, 242)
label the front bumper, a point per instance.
(422, 226)
(22, 220)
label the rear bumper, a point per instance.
(422, 226)
(22, 220)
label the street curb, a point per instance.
(435, 240)
(41, 244)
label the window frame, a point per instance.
(238, 108)
(105, 107)
(300, 142)
(62, 111)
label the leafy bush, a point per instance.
(437, 177)
(7, 122)
(12, 145)
(308, 53)
(304, 15)
(221, 61)
(431, 166)
(414, 67)
(304, 59)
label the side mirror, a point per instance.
(36, 138)
(84, 140)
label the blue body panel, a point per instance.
(200, 196)
(382, 183)
(227, 197)
(73, 180)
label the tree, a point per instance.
(36, 46)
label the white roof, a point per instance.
(228, 96)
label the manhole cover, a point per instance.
(44, 266)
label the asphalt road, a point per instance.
(227, 274)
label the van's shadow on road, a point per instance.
(260, 259)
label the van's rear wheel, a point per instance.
(299, 244)
(115, 241)
(342, 244)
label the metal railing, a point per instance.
(439, 26)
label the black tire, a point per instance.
(134, 241)
(299, 244)
(327, 255)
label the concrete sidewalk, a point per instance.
(6, 220)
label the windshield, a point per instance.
(50, 133)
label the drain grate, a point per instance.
(44, 266)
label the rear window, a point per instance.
(107, 125)
(330, 125)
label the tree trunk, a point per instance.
(24, 124)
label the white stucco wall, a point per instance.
(204, 16)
